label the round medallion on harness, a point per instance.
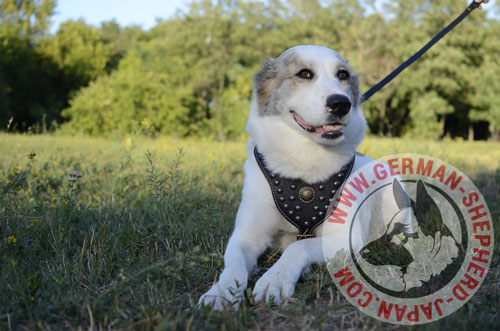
(306, 194)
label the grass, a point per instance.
(140, 236)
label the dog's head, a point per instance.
(314, 90)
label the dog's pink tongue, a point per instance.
(327, 128)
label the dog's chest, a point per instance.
(302, 204)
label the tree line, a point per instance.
(191, 74)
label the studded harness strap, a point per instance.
(305, 205)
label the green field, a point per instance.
(135, 240)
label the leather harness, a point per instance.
(303, 204)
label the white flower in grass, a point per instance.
(76, 174)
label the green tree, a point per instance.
(194, 81)
(27, 88)
(80, 51)
(120, 40)
(199, 65)
(25, 18)
(486, 84)
(148, 89)
(437, 88)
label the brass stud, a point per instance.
(316, 208)
(282, 199)
(276, 182)
(321, 187)
(297, 208)
(279, 190)
(321, 198)
(292, 198)
(297, 218)
(293, 186)
(314, 218)
(336, 183)
(291, 212)
(321, 213)
(286, 206)
(306, 223)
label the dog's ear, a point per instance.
(427, 210)
(266, 82)
(355, 88)
(401, 197)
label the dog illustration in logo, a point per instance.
(389, 248)
(429, 233)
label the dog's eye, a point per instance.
(305, 74)
(343, 74)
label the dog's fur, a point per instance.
(293, 152)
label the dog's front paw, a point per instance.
(222, 296)
(276, 285)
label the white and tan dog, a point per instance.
(307, 122)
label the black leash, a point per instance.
(421, 52)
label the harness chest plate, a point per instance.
(303, 204)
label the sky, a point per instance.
(125, 12)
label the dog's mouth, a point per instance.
(327, 131)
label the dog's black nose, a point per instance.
(338, 104)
